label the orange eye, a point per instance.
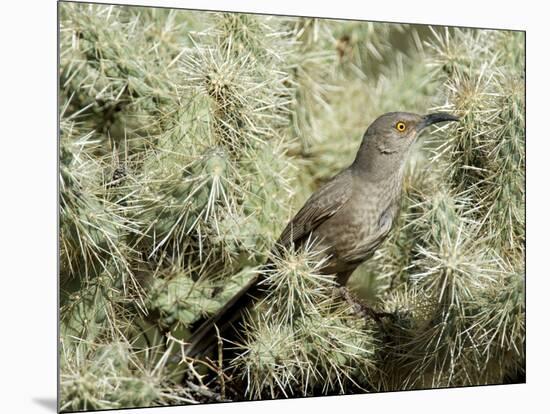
(400, 126)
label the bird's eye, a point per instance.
(400, 126)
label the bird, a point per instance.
(348, 217)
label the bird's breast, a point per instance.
(354, 233)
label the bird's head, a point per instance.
(396, 131)
(388, 139)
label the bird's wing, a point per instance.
(320, 206)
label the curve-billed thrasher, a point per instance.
(348, 217)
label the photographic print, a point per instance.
(260, 207)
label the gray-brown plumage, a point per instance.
(348, 217)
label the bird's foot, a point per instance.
(377, 316)
(361, 309)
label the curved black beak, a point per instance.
(435, 118)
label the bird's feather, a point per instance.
(324, 203)
(321, 205)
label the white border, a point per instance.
(28, 204)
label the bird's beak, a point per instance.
(435, 118)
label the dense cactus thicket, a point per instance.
(187, 141)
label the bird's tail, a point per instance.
(227, 320)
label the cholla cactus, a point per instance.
(306, 338)
(487, 153)
(210, 174)
(187, 141)
(362, 46)
(449, 332)
(111, 376)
